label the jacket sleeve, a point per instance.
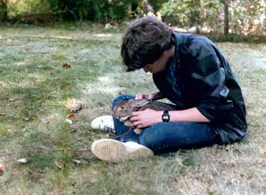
(208, 82)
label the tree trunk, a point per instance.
(3, 10)
(195, 15)
(226, 16)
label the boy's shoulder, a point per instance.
(193, 41)
(190, 36)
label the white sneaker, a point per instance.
(104, 123)
(115, 151)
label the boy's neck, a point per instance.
(171, 52)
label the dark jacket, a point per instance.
(200, 76)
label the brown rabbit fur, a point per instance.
(124, 109)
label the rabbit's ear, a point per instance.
(140, 103)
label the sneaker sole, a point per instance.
(115, 151)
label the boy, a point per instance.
(193, 74)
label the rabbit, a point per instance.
(124, 109)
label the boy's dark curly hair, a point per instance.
(144, 42)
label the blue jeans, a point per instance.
(165, 137)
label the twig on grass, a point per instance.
(45, 151)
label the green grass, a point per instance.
(34, 87)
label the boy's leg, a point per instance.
(159, 138)
(125, 146)
(170, 137)
(107, 122)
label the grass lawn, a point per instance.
(37, 94)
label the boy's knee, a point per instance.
(150, 138)
(155, 144)
(120, 98)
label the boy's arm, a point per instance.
(149, 117)
(188, 115)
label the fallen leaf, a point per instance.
(66, 65)
(59, 164)
(68, 121)
(70, 115)
(96, 173)
(45, 121)
(42, 171)
(209, 182)
(76, 108)
(73, 128)
(2, 169)
(24, 160)
(77, 162)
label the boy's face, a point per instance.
(160, 64)
(157, 66)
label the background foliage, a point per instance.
(245, 17)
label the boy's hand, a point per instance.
(148, 96)
(144, 96)
(145, 118)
